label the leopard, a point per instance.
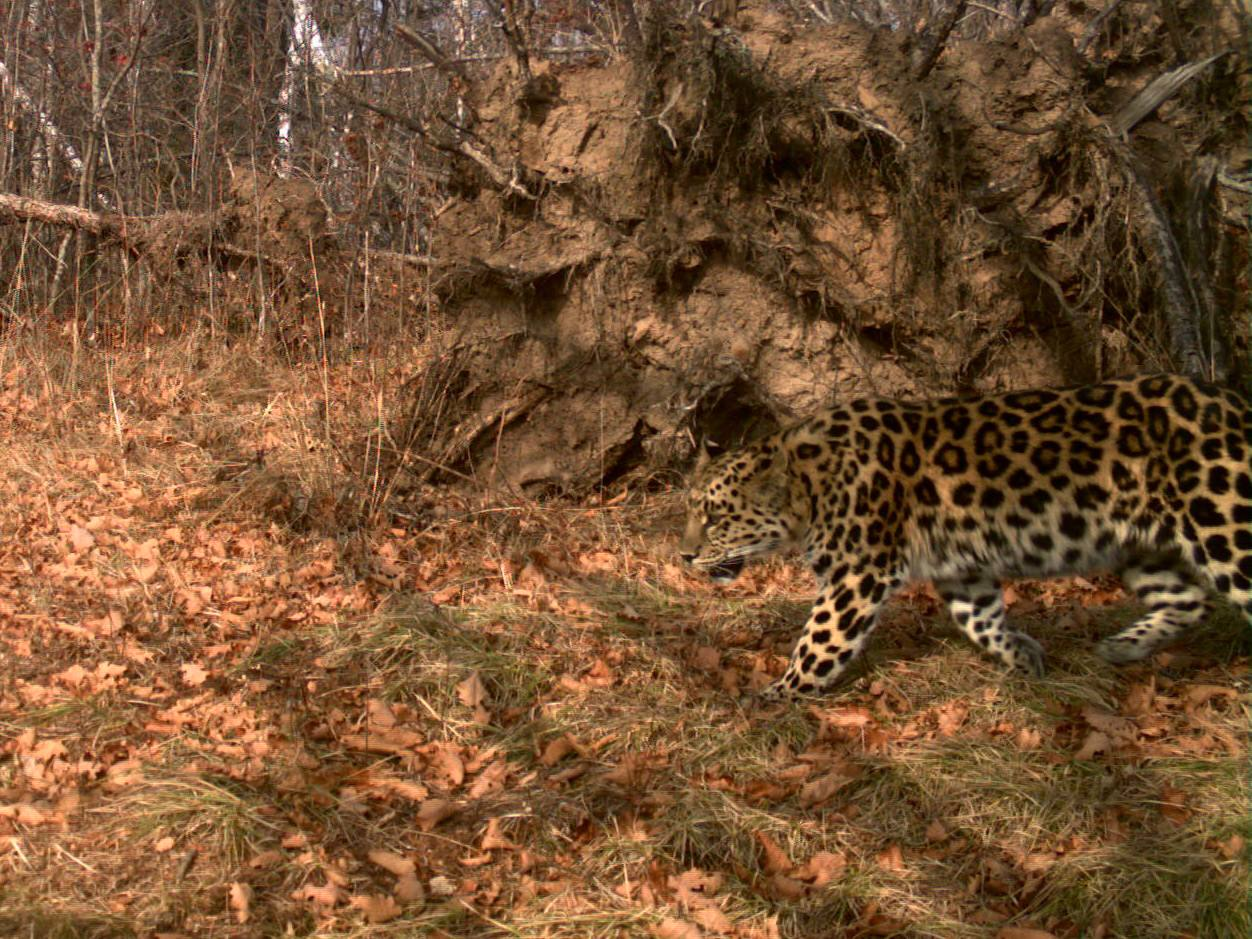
(1147, 477)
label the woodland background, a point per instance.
(618, 228)
(350, 353)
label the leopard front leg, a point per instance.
(842, 618)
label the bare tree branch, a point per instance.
(1157, 92)
(431, 52)
(1181, 306)
(632, 33)
(934, 37)
(508, 26)
(1096, 24)
(46, 125)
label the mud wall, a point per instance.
(750, 219)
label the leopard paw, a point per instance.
(1027, 654)
(775, 693)
(1118, 651)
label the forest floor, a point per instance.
(233, 704)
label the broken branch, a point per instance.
(935, 37)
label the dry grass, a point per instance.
(226, 689)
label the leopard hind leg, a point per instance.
(977, 604)
(1228, 569)
(1164, 583)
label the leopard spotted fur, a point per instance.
(1148, 477)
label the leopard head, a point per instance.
(739, 506)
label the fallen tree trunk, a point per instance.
(175, 233)
(23, 208)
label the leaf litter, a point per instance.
(215, 720)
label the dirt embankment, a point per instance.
(750, 220)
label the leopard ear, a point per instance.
(708, 450)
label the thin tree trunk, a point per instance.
(85, 247)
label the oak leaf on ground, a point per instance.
(433, 811)
(391, 862)
(241, 902)
(774, 860)
(377, 909)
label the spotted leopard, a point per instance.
(1148, 477)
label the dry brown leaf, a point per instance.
(822, 868)
(380, 714)
(489, 780)
(405, 788)
(163, 845)
(987, 917)
(383, 740)
(472, 692)
(936, 831)
(1173, 806)
(707, 658)
(635, 769)
(951, 717)
(787, 888)
(266, 859)
(600, 675)
(1139, 699)
(569, 774)
(377, 909)
(81, 539)
(193, 675)
(1095, 742)
(766, 929)
(1114, 725)
(773, 860)
(1028, 739)
(821, 789)
(26, 814)
(241, 902)
(409, 890)
(391, 862)
(441, 886)
(713, 920)
(445, 594)
(146, 572)
(494, 839)
(890, 858)
(844, 717)
(598, 562)
(1231, 848)
(694, 888)
(433, 811)
(670, 928)
(1023, 932)
(1037, 862)
(336, 876)
(794, 773)
(446, 761)
(557, 750)
(327, 896)
(1196, 695)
